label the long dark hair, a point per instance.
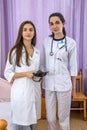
(61, 18)
(19, 44)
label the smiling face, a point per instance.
(28, 32)
(56, 25)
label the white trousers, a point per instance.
(64, 104)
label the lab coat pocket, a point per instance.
(68, 80)
(17, 90)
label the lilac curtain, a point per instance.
(13, 12)
(0, 37)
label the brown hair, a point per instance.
(19, 44)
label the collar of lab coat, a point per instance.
(35, 54)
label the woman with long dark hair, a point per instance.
(58, 56)
(23, 60)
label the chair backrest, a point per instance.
(79, 82)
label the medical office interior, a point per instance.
(12, 14)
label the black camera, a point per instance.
(39, 75)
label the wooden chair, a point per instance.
(43, 108)
(80, 96)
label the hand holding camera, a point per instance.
(39, 75)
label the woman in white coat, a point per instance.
(23, 60)
(58, 56)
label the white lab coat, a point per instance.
(25, 93)
(61, 66)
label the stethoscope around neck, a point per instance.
(51, 52)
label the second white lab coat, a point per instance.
(61, 66)
(25, 93)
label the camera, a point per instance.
(40, 74)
